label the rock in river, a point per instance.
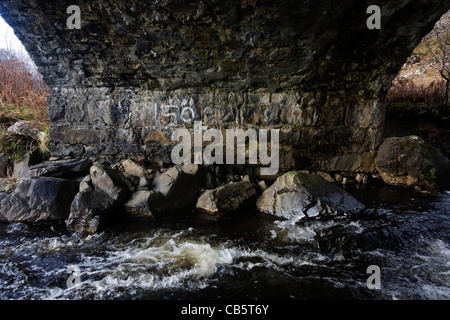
(110, 181)
(89, 206)
(144, 203)
(297, 195)
(411, 161)
(227, 198)
(179, 186)
(39, 199)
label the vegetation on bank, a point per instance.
(423, 84)
(421, 92)
(23, 96)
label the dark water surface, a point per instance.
(248, 255)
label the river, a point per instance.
(246, 255)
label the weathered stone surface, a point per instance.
(3, 195)
(133, 168)
(26, 129)
(5, 168)
(355, 162)
(7, 184)
(60, 168)
(85, 183)
(180, 186)
(21, 166)
(40, 199)
(227, 198)
(294, 65)
(109, 181)
(4, 182)
(297, 195)
(411, 161)
(144, 203)
(88, 208)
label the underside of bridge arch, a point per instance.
(136, 70)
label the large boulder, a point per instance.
(110, 181)
(40, 199)
(27, 129)
(411, 161)
(134, 168)
(297, 195)
(60, 168)
(89, 206)
(7, 184)
(20, 166)
(100, 195)
(227, 198)
(344, 239)
(180, 186)
(144, 203)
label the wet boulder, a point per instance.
(60, 168)
(348, 239)
(110, 181)
(39, 199)
(101, 196)
(89, 207)
(411, 161)
(296, 195)
(180, 186)
(144, 203)
(227, 198)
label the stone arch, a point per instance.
(310, 68)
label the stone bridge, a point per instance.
(135, 70)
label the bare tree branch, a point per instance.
(438, 44)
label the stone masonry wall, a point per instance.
(133, 122)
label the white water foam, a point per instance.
(163, 261)
(16, 227)
(428, 275)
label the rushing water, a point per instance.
(247, 255)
